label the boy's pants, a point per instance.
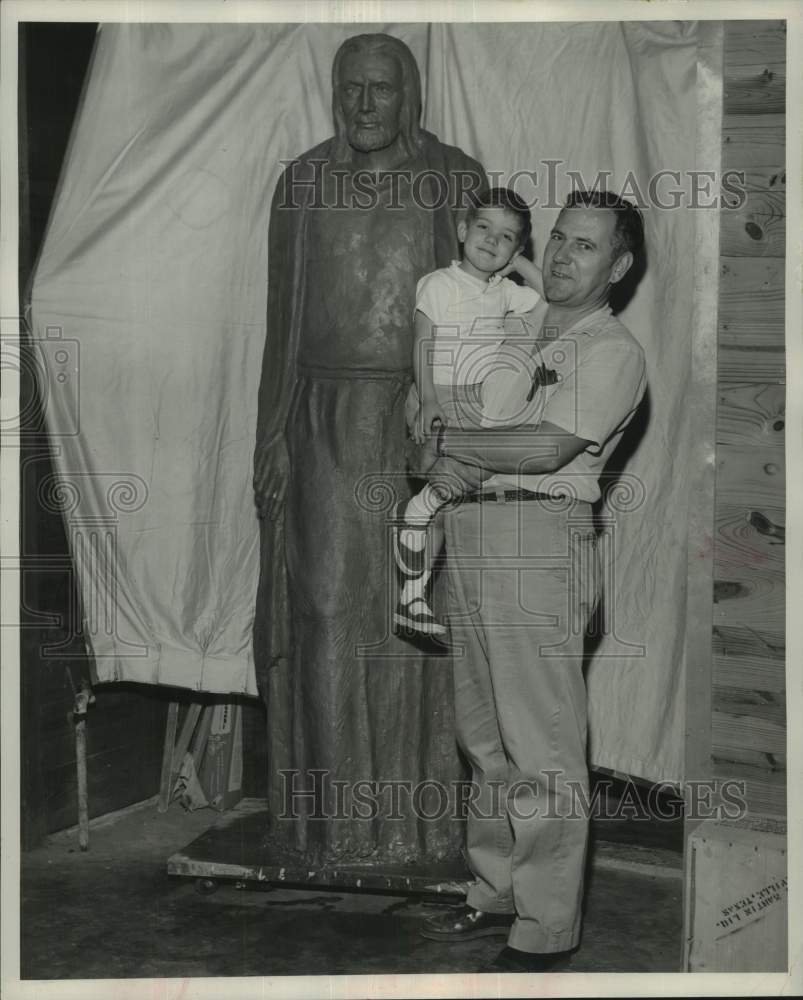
(462, 406)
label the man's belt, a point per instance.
(510, 496)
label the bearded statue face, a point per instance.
(370, 90)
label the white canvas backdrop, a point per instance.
(153, 274)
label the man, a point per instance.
(522, 576)
(354, 224)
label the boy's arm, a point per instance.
(530, 271)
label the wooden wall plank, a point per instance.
(744, 544)
(750, 477)
(757, 226)
(755, 703)
(740, 737)
(749, 567)
(754, 43)
(751, 301)
(740, 364)
(757, 90)
(744, 641)
(751, 673)
(750, 597)
(748, 695)
(739, 757)
(764, 790)
(752, 415)
(753, 141)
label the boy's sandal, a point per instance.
(411, 562)
(417, 617)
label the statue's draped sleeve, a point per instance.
(285, 289)
(272, 637)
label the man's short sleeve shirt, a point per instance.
(597, 382)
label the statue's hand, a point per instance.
(271, 468)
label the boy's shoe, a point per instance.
(416, 616)
(411, 562)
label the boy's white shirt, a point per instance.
(468, 315)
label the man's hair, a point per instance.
(410, 112)
(500, 197)
(628, 234)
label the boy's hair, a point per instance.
(500, 197)
(628, 235)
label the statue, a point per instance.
(355, 222)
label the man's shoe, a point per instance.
(465, 924)
(513, 960)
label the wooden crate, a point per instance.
(736, 897)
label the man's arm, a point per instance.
(525, 450)
(594, 399)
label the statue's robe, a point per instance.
(347, 701)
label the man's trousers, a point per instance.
(522, 585)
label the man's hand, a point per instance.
(271, 469)
(428, 413)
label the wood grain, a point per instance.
(757, 90)
(751, 301)
(749, 43)
(741, 549)
(748, 639)
(751, 415)
(752, 673)
(739, 364)
(756, 224)
(750, 597)
(754, 67)
(770, 179)
(754, 703)
(753, 478)
(751, 141)
(764, 791)
(744, 641)
(751, 740)
(749, 570)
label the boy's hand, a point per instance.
(428, 413)
(510, 267)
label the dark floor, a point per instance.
(114, 913)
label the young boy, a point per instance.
(459, 328)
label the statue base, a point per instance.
(234, 851)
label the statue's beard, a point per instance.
(367, 140)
